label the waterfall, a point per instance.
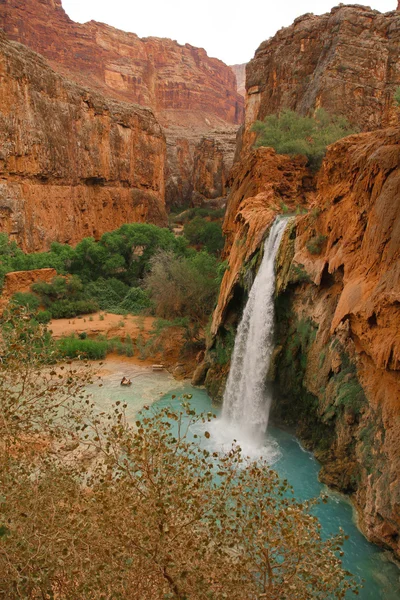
(246, 404)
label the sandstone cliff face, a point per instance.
(155, 72)
(192, 95)
(71, 164)
(346, 61)
(343, 301)
(240, 72)
(337, 362)
(209, 171)
(262, 185)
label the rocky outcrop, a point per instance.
(209, 171)
(197, 168)
(346, 61)
(240, 72)
(336, 366)
(339, 328)
(263, 185)
(72, 164)
(21, 281)
(192, 95)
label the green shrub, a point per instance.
(108, 293)
(26, 299)
(65, 309)
(135, 300)
(43, 316)
(72, 347)
(203, 233)
(396, 96)
(316, 243)
(290, 133)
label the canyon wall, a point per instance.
(336, 366)
(72, 164)
(346, 61)
(192, 95)
(240, 73)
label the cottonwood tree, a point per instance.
(149, 513)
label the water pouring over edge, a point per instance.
(246, 403)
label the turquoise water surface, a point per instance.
(366, 561)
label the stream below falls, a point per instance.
(366, 561)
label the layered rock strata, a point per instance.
(346, 61)
(336, 366)
(71, 163)
(192, 95)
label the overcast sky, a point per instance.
(228, 29)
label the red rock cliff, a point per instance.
(156, 72)
(346, 61)
(349, 248)
(72, 164)
(262, 184)
(337, 362)
(193, 95)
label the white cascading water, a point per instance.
(246, 404)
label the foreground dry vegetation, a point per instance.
(92, 506)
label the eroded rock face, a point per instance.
(155, 72)
(210, 172)
(240, 72)
(337, 361)
(72, 164)
(343, 298)
(192, 95)
(346, 61)
(263, 184)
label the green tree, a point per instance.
(206, 234)
(290, 133)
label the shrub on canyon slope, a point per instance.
(290, 133)
(92, 506)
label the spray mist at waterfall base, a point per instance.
(246, 402)
(255, 445)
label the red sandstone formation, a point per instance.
(72, 164)
(356, 300)
(341, 273)
(261, 185)
(346, 61)
(192, 95)
(240, 72)
(155, 72)
(209, 172)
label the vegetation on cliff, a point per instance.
(95, 507)
(290, 133)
